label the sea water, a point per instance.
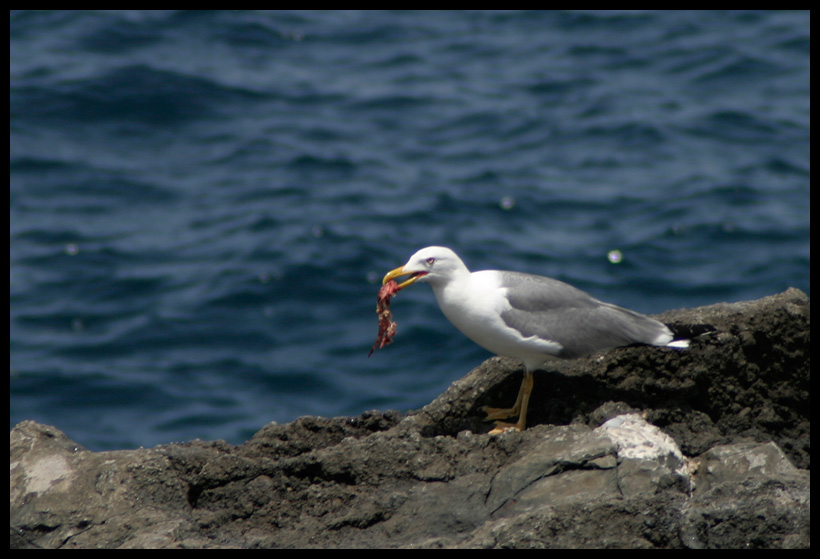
(202, 204)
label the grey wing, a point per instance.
(555, 311)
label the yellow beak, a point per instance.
(398, 272)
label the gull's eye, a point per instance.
(430, 261)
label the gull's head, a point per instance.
(434, 265)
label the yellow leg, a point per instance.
(519, 408)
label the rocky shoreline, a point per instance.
(638, 447)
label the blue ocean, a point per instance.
(203, 203)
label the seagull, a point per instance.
(529, 317)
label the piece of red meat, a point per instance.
(387, 328)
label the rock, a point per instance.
(647, 457)
(638, 447)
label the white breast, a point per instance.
(474, 306)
